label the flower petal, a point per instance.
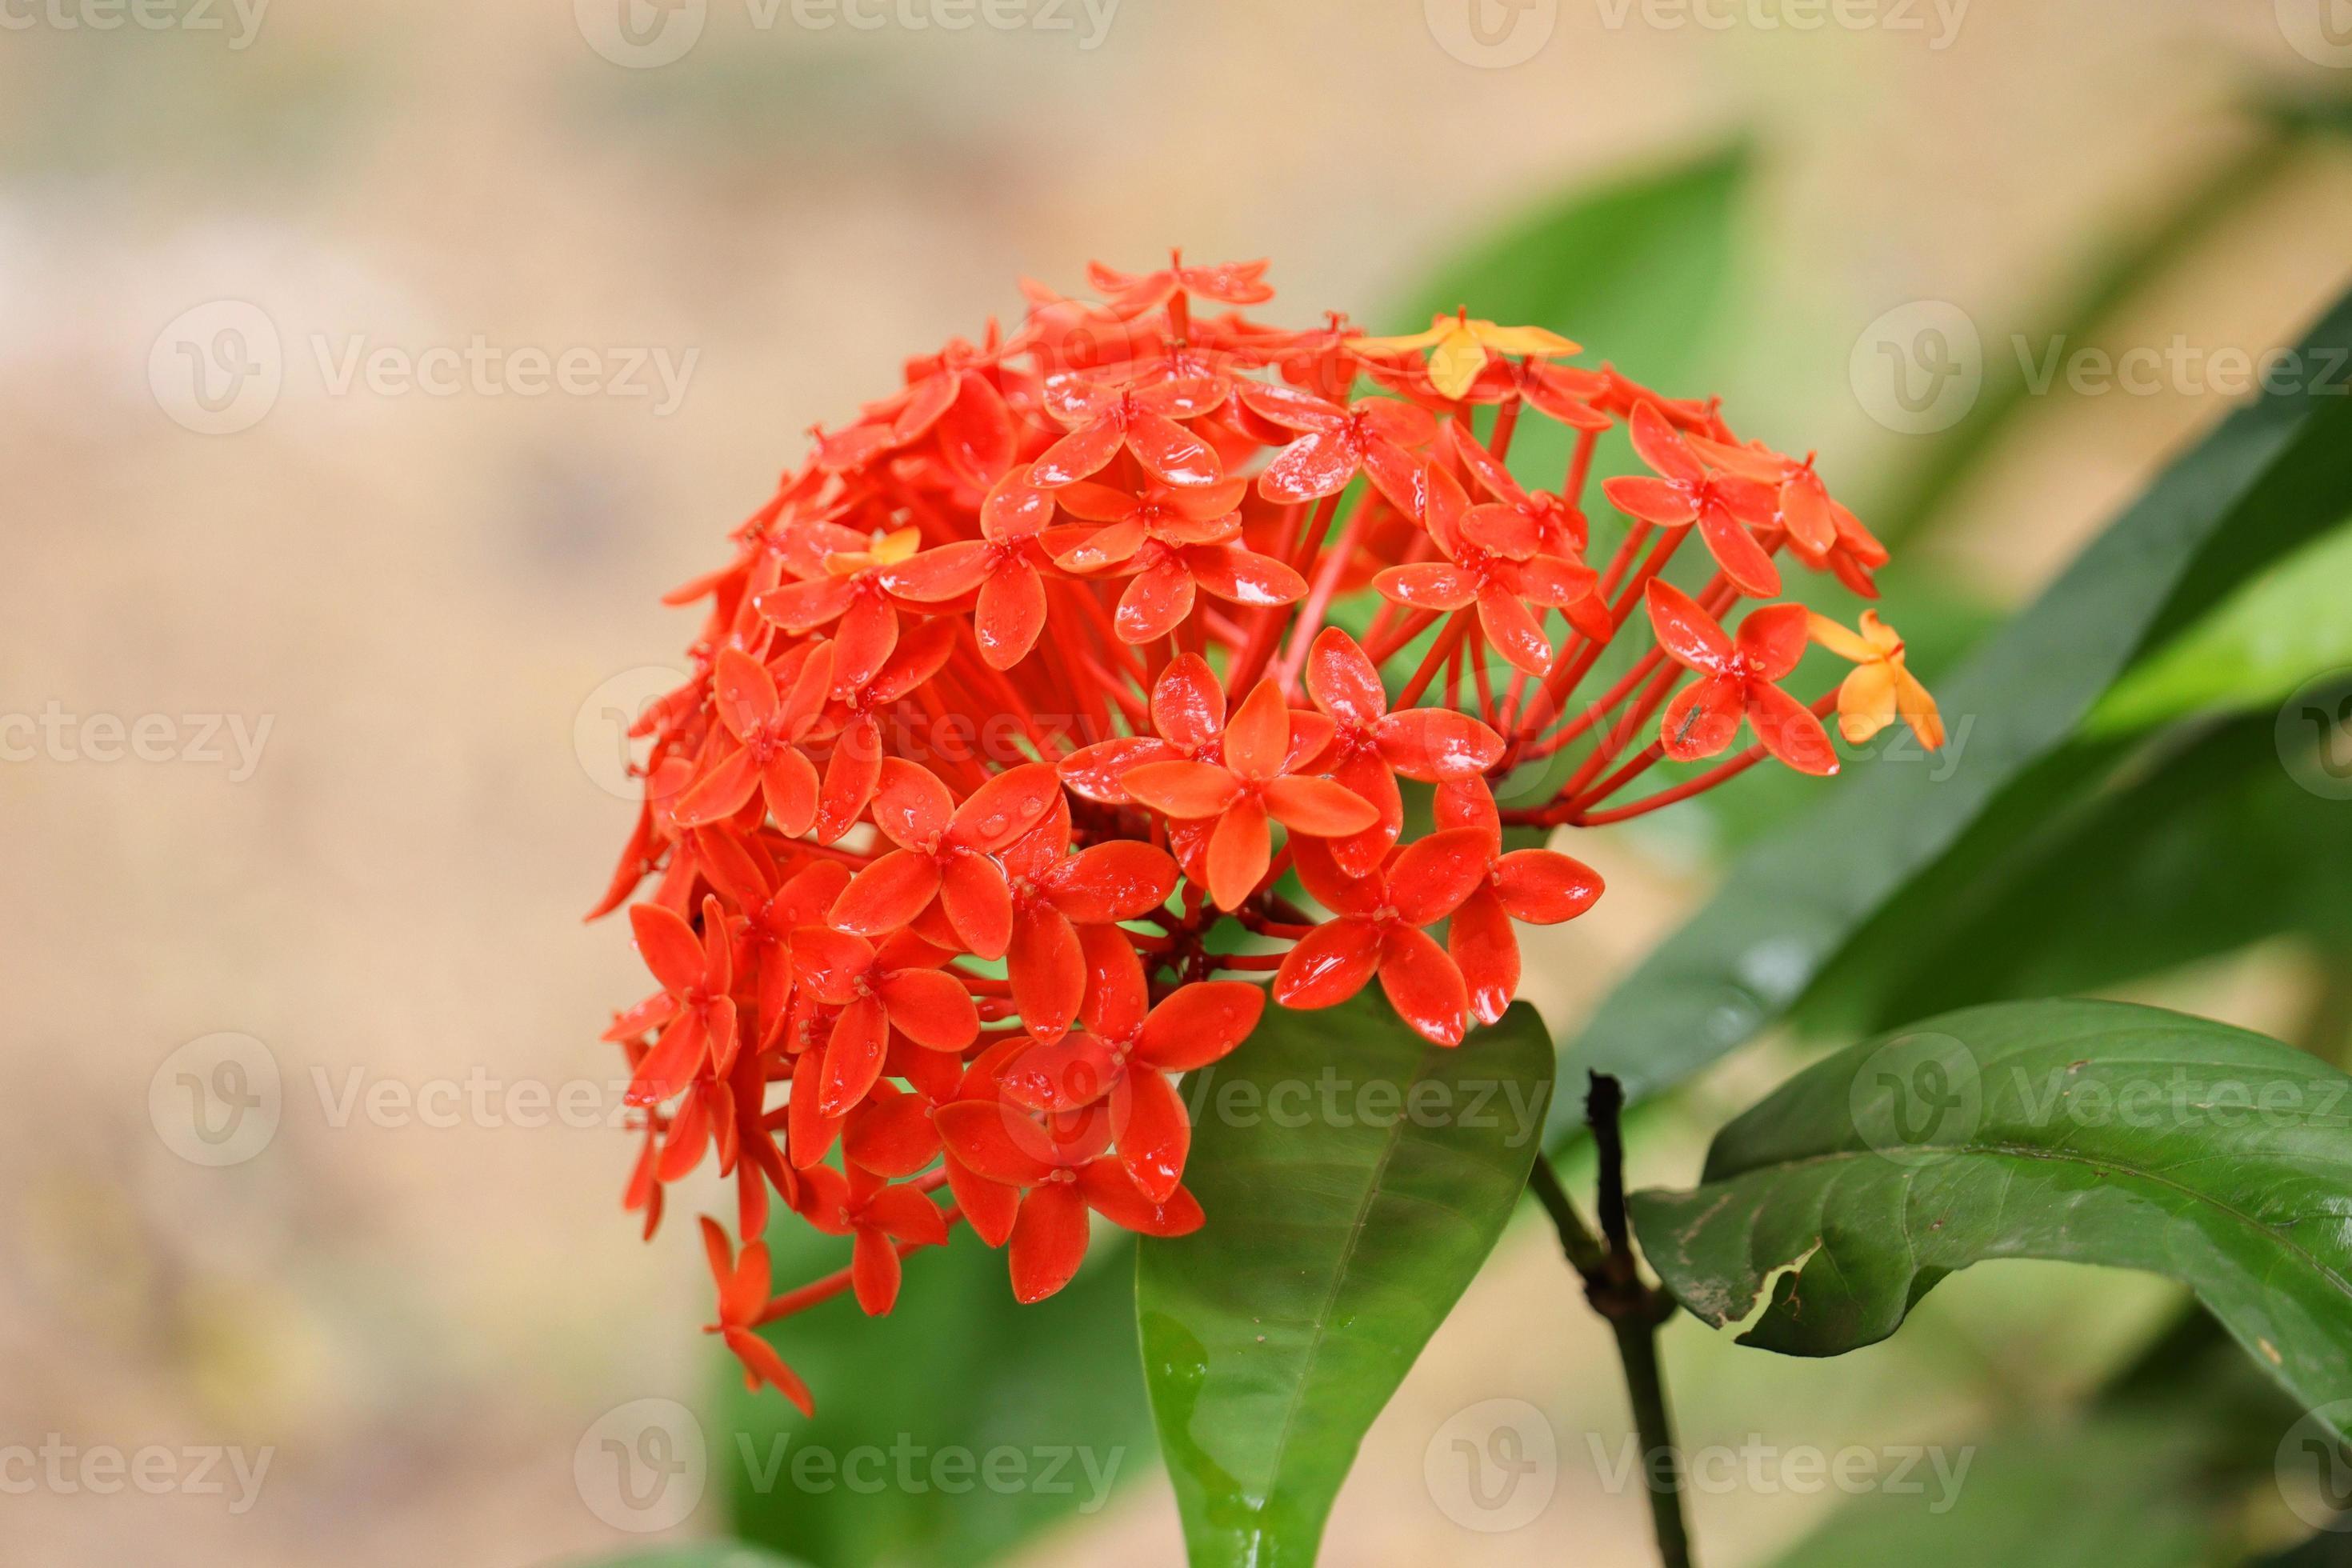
(1049, 1241)
(1423, 984)
(1241, 846)
(1319, 807)
(1330, 964)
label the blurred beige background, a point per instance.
(433, 600)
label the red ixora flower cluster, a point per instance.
(1022, 699)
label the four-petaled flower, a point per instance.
(742, 1297)
(1459, 346)
(1539, 887)
(1499, 586)
(1168, 544)
(1724, 506)
(1740, 682)
(1377, 929)
(947, 852)
(693, 1010)
(1055, 892)
(1373, 436)
(1104, 418)
(843, 578)
(1001, 566)
(1122, 1057)
(1881, 685)
(1258, 783)
(1228, 283)
(901, 986)
(768, 730)
(1060, 1162)
(1370, 746)
(880, 1216)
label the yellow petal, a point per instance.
(893, 548)
(1838, 640)
(1919, 710)
(1456, 364)
(1438, 327)
(1866, 702)
(1522, 339)
(1880, 636)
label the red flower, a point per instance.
(1167, 542)
(1127, 520)
(880, 1216)
(742, 1296)
(695, 1015)
(1055, 891)
(1122, 1056)
(1141, 419)
(768, 731)
(1378, 931)
(1500, 587)
(1371, 435)
(1060, 1163)
(900, 986)
(1541, 887)
(1724, 506)
(1704, 716)
(945, 852)
(1003, 566)
(1230, 283)
(842, 578)
(1257, 784)
(1515, 522)
(1369, 745)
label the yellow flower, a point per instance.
(888, 549)
(1880, 686)
(1459, 346)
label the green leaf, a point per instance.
(2290, 624)
(1355, 1177)
(2097, 1494)
(960, 1372)
(2206, 848)
(2093, 1133)
(2273, 476)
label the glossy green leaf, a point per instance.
(2094, 1132)
(1355, 1177)
(912, 1409)
(2273, 476)
(2291, 624)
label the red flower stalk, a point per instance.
(1040, 661)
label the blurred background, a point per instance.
(371, 368)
